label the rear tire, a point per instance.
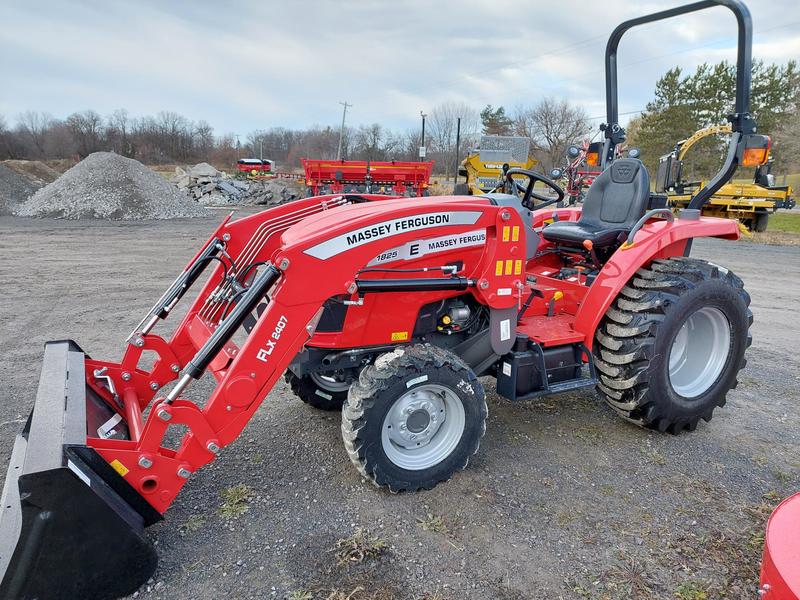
(321, 390)
(414, 418)
(671, 345)
(760, 222)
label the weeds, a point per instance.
(434, 523)
(359, 547)
(193, 523)
(235, 501)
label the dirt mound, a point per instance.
(14, 190)
(107, 186)
(34, 171)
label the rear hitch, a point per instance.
(70, 525)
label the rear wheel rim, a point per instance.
(699, 352)
(423, 427)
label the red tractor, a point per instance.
(392, 308)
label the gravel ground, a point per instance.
(14, 189)
(563, 500)
(105, 185)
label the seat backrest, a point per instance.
(618, 197)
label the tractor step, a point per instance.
(531, 371)
(63, 506)
(562, 387)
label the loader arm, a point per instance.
(272, 273)
(305, 266)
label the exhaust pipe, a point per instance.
(70, 525)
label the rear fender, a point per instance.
(657, 239)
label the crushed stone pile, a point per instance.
(105, 185)
(14, 190)
(34, 171)
(211, 187)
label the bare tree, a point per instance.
(552, 126)
(443, 126)
(118, 132)
(86, 128)
(35, 125)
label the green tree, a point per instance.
(495, 121)
(686, 103)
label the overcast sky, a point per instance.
(252, 65)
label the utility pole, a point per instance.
(458, 148)
(422, 150)
(261, 148)
(341, 130)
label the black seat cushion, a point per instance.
(615, 201)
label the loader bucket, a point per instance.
(70, 526)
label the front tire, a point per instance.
(671, 345)
(414, 418)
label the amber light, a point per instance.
(752, 157)
(592, 159)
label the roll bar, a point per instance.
(742, 123)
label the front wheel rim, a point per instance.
(423, 427)
(699, 352)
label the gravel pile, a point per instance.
(107, 186)
(14, 190)
(211, 187)
(34, 171)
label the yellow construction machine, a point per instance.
(749, 203)
(484, 167)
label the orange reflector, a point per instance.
(592, 159)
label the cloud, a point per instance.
(250, 65)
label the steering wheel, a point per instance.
(512, 187)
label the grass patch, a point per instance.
(654, 456)
(193, 523)
(300, 595)
(235, 501)
(690, 590)
(781, 475)
(784, 221)
(591, 434)
(359, 547)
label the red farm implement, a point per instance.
(345, 176)
(780, 567)
(389, 309)
(254, 167)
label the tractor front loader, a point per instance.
(390, 309)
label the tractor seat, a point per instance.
(617, 199)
